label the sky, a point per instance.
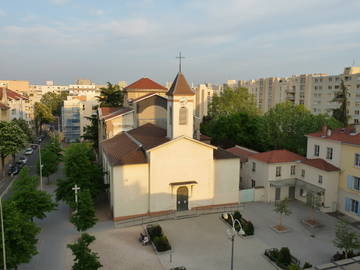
(115, 40)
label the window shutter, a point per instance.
(350, 182)
(358, 212)
(347, 204)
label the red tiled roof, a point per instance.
(123, 149)
(120, 111)
(344, 135)
(321, 164)
(145, 83)
(220, 153)
(11, 94)
(180, 87)
(107, 110)
(241, 152)
(277, 156)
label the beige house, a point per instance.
(14, 105)
(341, 147)
(152, 170)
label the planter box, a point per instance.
(312, 225)
(271, 262)
(293, 261)
(153, 245)
(230, 227)
(287, 229)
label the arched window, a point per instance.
(183, 116)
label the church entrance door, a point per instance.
(182, 199)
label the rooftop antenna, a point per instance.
(180, 57)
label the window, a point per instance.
(356, 112)
(320, 180)
(253, 183)
(241, 165)
(302, 173)
(329, 153)
(278, 171)
(357, 183)
(292, 170)
(357, 160)
(301, 192)
(253, 166)
(352, 206)
(316, 150)
(183, 116)
(353, 182)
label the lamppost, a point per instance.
(2, 234)
(40, 165)
(232, 234)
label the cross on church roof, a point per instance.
(180, 57)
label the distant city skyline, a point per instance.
(64, 40)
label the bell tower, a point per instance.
(180, 108)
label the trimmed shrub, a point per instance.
(154, 231)
(307, 265)
(237, 215)
(248, 227)
(284, 257)
(161, 243)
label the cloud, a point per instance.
(98, 12)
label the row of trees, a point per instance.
(81, 171)
(234, 119)
(25, 204)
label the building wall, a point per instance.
(119, 124)
(169, 168)
(18, 86)
(226, 188)
(133, 94)
(324, 143)
(348, 168)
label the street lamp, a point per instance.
(232, 234)
(40, 165)
(2, 234)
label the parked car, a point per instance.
(14, 170)
(23, 159)
(19, 164)
(29, 151)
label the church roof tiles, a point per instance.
(145, 83)
(180, 87)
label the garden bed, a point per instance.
(280, 228)
(158, 240)
(311, 223)
(281, 258)
(246, 225)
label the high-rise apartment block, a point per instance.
(315, 91)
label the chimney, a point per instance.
(4, 98)
(324, 131)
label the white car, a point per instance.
(29, 151)
(23, 159)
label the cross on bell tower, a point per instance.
(180, 57)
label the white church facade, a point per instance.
(152, 170)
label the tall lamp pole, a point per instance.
(232, 234)
(3, 234)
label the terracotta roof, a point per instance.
(120, 111)
(81, 98)
(220, 153)
(125, 148)
(149, 135)
(204, 137)
(145, 83)
(241, 152)
(11, 94)
(108, 110)
(344, 135)
(321, 164)
(147, 96)
(277, 156)
(3, 106)
(180, 87)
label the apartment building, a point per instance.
(13, 105)
(315, 91)
(203, 96)
(74, 115)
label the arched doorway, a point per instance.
(182, 199)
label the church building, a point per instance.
(152, 170)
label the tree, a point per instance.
(28, 199)
(285, 127)
(232, 101)
(20, 237)
(341, 97)
(81, 169)
(239, 128)
(111, 96)
(346, 239)
(84, 216)
(314, 202)
(54, 101)
(55, 147)
(84, 259)
(24, 125)
(12, 139)
(49, 161)
(42, 115)
(91, 131)
(282, 207)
